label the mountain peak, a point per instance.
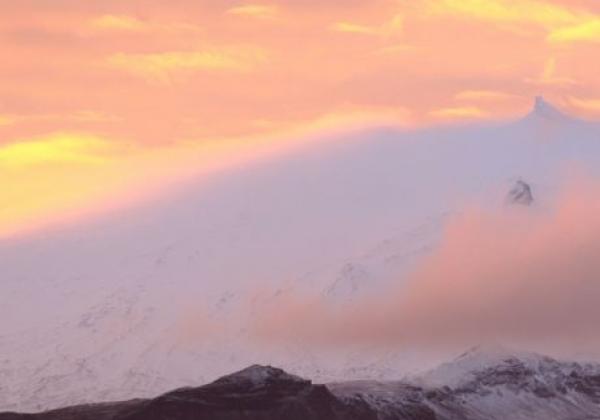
(544, 109)
(475, 360)
(260, 376)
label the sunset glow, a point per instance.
(96, 96)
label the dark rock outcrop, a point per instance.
(520, 193)
(255, 393)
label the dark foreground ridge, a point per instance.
(257, 392)
(475, 386)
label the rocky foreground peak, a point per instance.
(258, 376)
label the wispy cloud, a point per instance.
(6, 119)
(389, 28)
(588, 30)
(257, 11)
(354, 28)
(163, 66)
(121, 25)
(588, 105)
(118, 22)
(483, 95)
(550, 76)
(461, 112)
(563, 23)
(506, 11)
(58, 148)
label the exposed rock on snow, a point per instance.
(520, 193)
(492, 383)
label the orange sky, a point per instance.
(97, 96)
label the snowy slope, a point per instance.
(489, 383)
(156, 298)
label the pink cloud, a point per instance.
(522, 276)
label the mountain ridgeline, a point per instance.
(479, 385)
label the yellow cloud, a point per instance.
(459, 113)
(389, 28)
(7, 120)
(483, 95)
(125, 23)
(259, 11)
(55, 148)
(118, 22)
(589, 105)
(160, 67)
(549, 76)
(586, 31)
(507, 11)
(354, 28)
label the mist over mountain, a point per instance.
(176, 293)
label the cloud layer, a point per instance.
(523, 276)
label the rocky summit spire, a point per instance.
(544, 109)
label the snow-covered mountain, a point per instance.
(480, 384)
(161, 296)
(489, 383)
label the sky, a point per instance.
(104, 101)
